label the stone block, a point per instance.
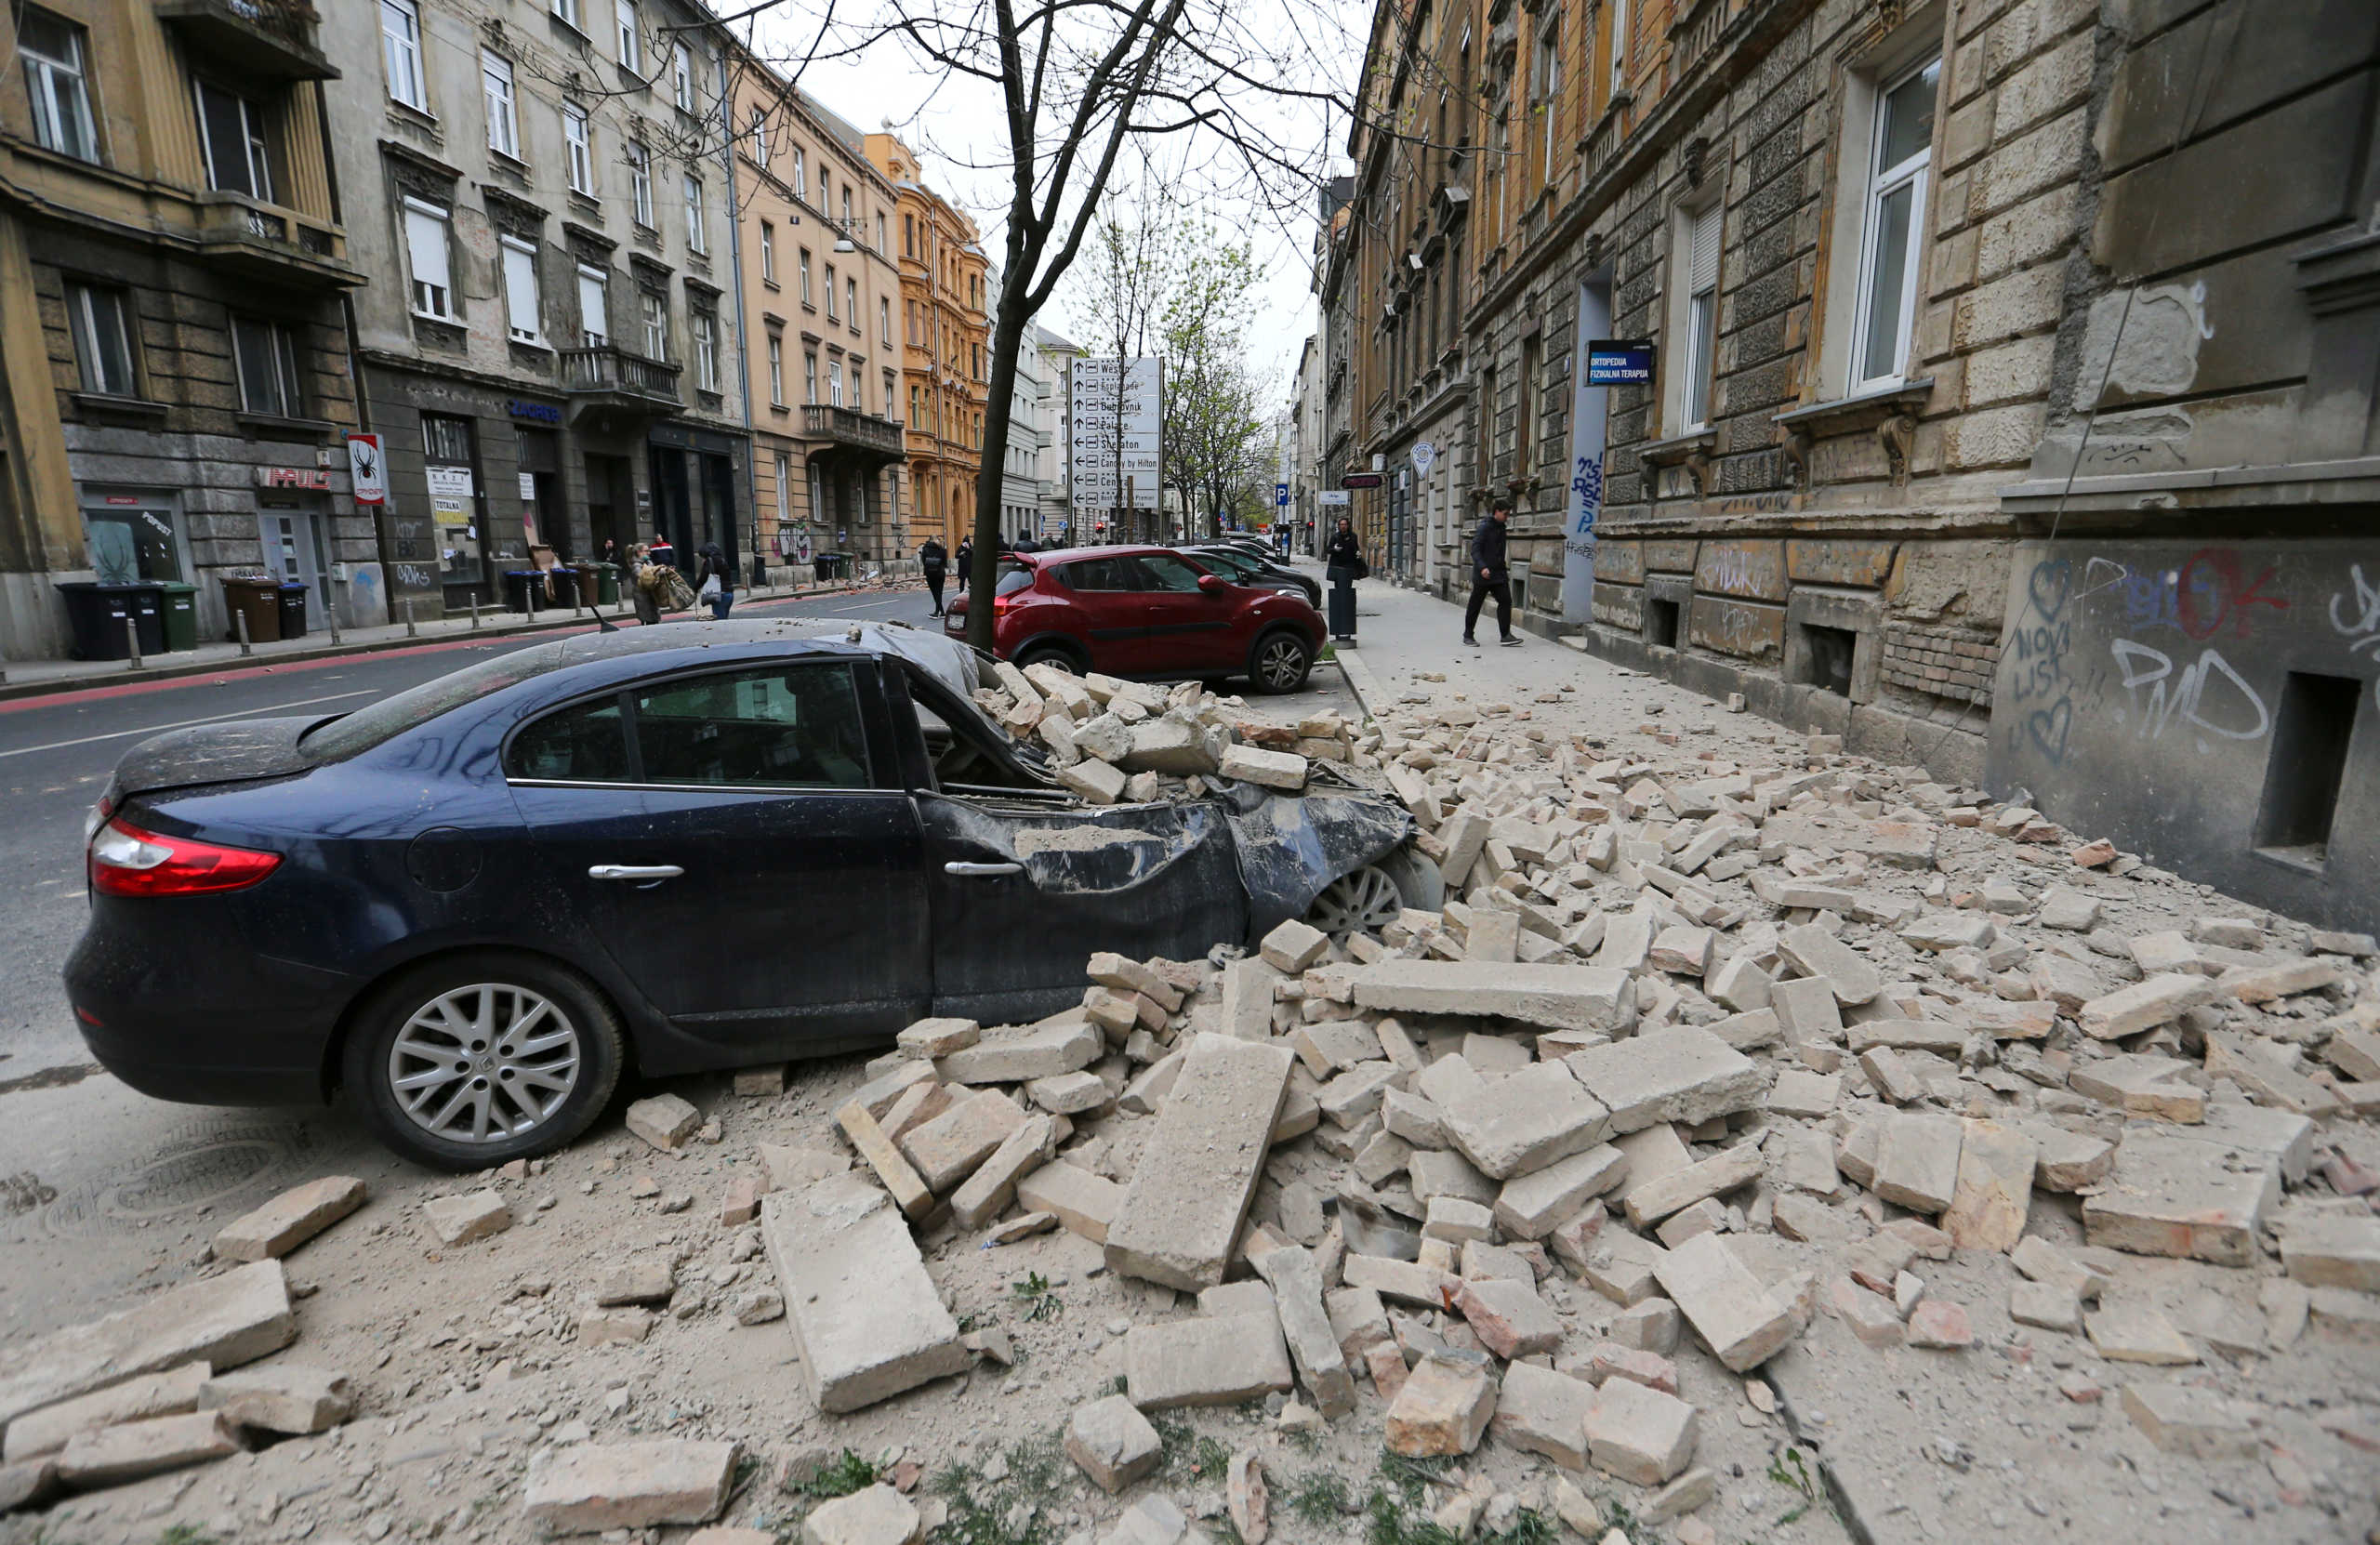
(1334, 1046)
(1307, 1327)
(281, 1397)
(1640, 1436)
(1526, 1121)
(2140, 1083)
(111, 1456)
(1113, 1442)
(2196, 1423)
(2173, 1194)
(1098, 782)
(1649, 1203)
(790, 1168)
(1994, 1192)
(1541, 1411)
(866, 1318)
(1608, 1360)
(939, 1038)
(37, 1433)
(467, 1219)
(1556, 996)
(624, 1326)
(2135, 1333)
(1354, 1095)
(1283, 770)
(987, 1193)
(1739, 1320)
(1917, 1161)
(1683, 1074)
(1432, 1174)
(2145, 1005)
(587, 1487)
(1801, 1092)
(1359, 1319)
(946, 1150)
(290, 1219)
(872, 1515)
(1532, 1205)
(1070, 1093)
(1806, 1011)
(1815, 953)
(640, 1279)
(1208, 1361)
(879, 1095)
(1181, 1215)
(1063, 1043)
(1651, 1326)
(1248, 998)
(2068, 1161)
(1621, 1267)
(2324, 1250)
(882, 1155)
(663, 1120)
(1292, 946)
(2049, 1305)
(1443, 1407)
(1406, 1281)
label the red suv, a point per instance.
(1145, 612)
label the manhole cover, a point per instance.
(205, 1162)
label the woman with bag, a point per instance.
(718, 582)
(645, 582)
(1344, 560)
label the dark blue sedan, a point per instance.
(476, 906)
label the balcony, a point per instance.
(847, 429)
(274, 39)
(607, 380)
(268, 242)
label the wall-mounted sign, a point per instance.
(1620, 361)
(1361, 479)
(544, 412)
(317, 477)
(1334, 496)
(450, 483)
(528, 488)
(366, 473)
(1424, 453)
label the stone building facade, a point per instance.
(174, 379)
(944, 333)
(1896, 262)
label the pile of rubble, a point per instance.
(1111, 740)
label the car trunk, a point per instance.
(207, 754)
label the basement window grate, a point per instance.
(1829, 652)
(1662, 617)
(2309, 764)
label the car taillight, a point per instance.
(129, 860)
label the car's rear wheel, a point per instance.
(1369, 899)
(479, 1059)
(1280, 662)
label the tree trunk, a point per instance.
(1008, 335)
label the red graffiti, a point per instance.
(2209, 592)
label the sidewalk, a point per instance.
(21, 678)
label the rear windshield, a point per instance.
(1014, 576)
(353, 734)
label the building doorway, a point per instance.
(611, 508)
(290, 531)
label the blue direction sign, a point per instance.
(1620, 361)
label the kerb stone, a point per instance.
(584, 1488)
(1181, 1212)
(1218, 1360)
(864, 1316)
(290, 1219)
(151, 1394)
(223, 1321)
(111, 1456)
(1557, 996)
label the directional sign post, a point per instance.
(1116, 449)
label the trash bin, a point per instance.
(180, 610)
(823, 565)
(258, 598)
(607, 580)
(97, 613)
(520, 585)
(293, 608)
(591, 584)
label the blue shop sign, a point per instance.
(1620, 361)
(543, 413)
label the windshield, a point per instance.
(353, 734)
(1233, 565)
(1012, 577)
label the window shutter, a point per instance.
(520, 291)
(425, 245)
(1703, 263)
(592, 317)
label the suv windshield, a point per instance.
(353, 734)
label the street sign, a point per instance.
(1361, 479)
(1620, 361)
(1334, 496)
(1424, 453)
(1281, 495)
(1115, 445)
(365, 471)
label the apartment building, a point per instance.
(945, 334)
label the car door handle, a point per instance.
(960, 867)
(634, 871)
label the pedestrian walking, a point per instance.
(935, 562)
(716, 584)
(966, 560)
(1344, 562)
(1490, 576)
(645, 581)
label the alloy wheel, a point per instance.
(1281, 663)
(1364, 901)
(485, 1063)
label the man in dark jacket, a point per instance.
(935, 562)
(1490, 576)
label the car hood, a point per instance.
(1292, 846)
(213, 754)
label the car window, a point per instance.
(585, 742)
(791, 726)
(1012, 578)
(1097, 574)
(1163, 570)
(1230, 563)
(353, 734)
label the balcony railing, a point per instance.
(608, 370)
(272, 243)
(849, 427)
(275, 38)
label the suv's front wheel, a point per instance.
(1280, 662)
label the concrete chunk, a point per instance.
(2145, 1005)
(290, 1219)
(948, 1149)
(1541, 1411)
(1082, 1202)
(224, 1320)
(1640, 1436)
(1818, 954)
(864, 1316)
(1532, 1205)
(1917, 1161)
(1557, 996)
(1296, 1280)
(584, 1488)
(1682, 1073)
(1739, 1320)
(1181, 1214)
(281, 1397)
(111, 1456)
(1113, 1442)
(152, 1394)
(1063, 1043)
(1217, 1361)
(1526, 1121)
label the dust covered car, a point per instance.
(475, 905)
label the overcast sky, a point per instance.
(953, 123)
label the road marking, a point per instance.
(185, 723)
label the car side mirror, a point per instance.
(1211, 585)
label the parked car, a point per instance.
(474, 905)
(1145, 611)
(1236, 563)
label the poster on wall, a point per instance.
(1587, 418)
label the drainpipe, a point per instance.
(736, 277)
(354, 362)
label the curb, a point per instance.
(52, 686)
(1360, 680)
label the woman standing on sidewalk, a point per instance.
(717, 581)
(645, 579)
(1344, 560)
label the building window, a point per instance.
(426, 233)
(777, 371)
(847, 209)
(655, 311)
(400, 53)
(908, 236)
(851, 302)
(884, 317)
(640, 183)
(631, 36)
(594, 308)
(801, 173)
(705, 326)
(1620, 41)
(1898, 157)
(834, 382)
(806, 276)
(578, 140)
(698, 218)
(756, 136)
(809, 377)
(785, 489)
(768, 252)
(830, 293)
(568, 11)
(102, 340)
(892, 393)
(1702, 316)
(880, 230)
(817, 493)
(1549, 84)
(520, 291)
(495, 84)
(682, 77)
(232, 133)
(267, 356)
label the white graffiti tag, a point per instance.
(2184, 697)
(2361, 629)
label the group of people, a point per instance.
(653, 573)
(1343, 558)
